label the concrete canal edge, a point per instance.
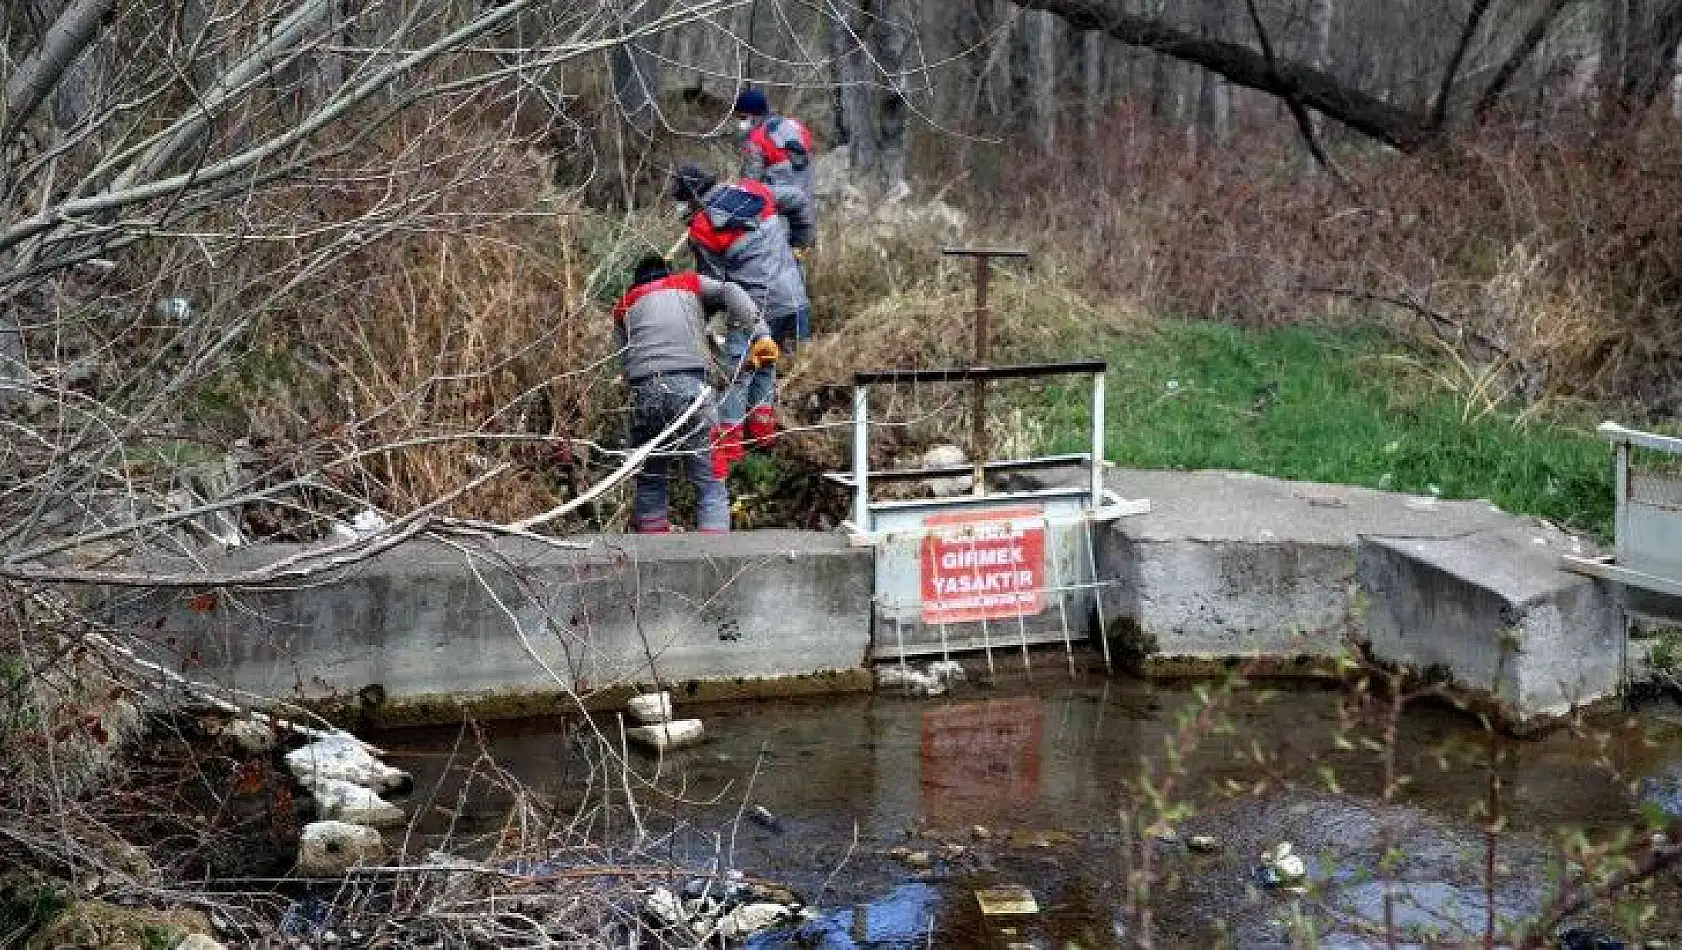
(1226, 568)
(1281, 576)
(427, 631)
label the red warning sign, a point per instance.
(984, 565)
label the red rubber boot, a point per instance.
(727, 448)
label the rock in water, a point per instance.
(343, 757)
(677, 734)
(761, 816)
(1587, 938)
(330, 848)
(339, 800)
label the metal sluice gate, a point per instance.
(1647, 519)
(993, 569)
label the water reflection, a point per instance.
(1045, 766)
(903, 918)
(981, 758)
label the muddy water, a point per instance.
(1024, 779)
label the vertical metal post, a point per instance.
(1620, 499)
(1097, 440)
(861, 458)
(978, 397)
(1620, 531)
(1062, 608)
(982, 316)
(1097, 592)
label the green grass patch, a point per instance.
(1352, 406)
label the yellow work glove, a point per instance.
(763, 353)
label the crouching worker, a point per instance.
(661, 327)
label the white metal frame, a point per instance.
(1643, 557)
(890, 525)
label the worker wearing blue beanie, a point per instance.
(752, 102)
(777, 151)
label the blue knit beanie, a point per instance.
(752, 102)
(652, 267)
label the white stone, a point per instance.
(750, 919)
(913, 681)
(664, 907)
(945, 456)
(198, 942)
(330, 848)
(342, 757)
(677, 734)
(339, 800)
(651, 708)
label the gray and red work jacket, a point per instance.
(744, 232)
(662, 324)
(778, 152)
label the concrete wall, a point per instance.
(1495, 614)
(1228, 565)
(429, 620)
(1224, 567)
(1231, 566)
(1219, 600)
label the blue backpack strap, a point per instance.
(734, 208)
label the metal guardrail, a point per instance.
(956, 374)
(1647, 520)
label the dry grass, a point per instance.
(1557, 254)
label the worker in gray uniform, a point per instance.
(745, 232)
(660, 323)
(776, 149)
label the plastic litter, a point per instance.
(1006, 899)
(761, 816)
(947, 671)
(677, 734)
(650, 708)
(1281, 867)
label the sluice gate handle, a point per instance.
(983, 257)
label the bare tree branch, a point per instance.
(1520, 55)
(1403, 129)
(35, 78)
(1474, 19)
(1304, 121)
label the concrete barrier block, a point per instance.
(1228, 565)
(436, 622)
(1493, 612)
(1205, 600)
